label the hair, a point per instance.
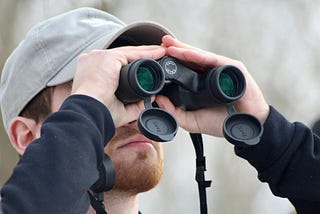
(40, 106)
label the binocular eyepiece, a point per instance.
(187, 88)
(140, 79)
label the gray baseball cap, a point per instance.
(48, 54)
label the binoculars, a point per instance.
(185, 87)
(189, 88)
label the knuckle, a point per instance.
(82, 57)
(239, 64)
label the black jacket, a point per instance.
(288, 159)
(56, 170)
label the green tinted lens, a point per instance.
(226, 84)
(145, 78)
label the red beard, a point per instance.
(136, 170)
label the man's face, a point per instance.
(138, 161)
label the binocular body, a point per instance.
(187, 88)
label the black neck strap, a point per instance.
(96, 201)
(201, 168)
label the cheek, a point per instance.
(37, 130)
(56, 105)
(60, 93)
(57, 102)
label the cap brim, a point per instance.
(139, 33)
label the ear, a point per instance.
(22, 131)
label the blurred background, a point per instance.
(278, 42)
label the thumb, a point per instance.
(129, 113)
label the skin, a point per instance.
(97, 75)
(200, 121)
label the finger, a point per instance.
(164, 103)
(169, 41)
(198, 56)
(189, 53)
(185, 119)
(132, 112)
(130, 53)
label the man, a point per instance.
(62, 162)
(36, 80)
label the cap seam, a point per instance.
(49, 62)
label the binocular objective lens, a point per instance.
(227, 84)
(145, 78)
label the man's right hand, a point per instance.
(97, 75)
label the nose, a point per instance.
(133, 124)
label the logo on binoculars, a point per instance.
(170, 67)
